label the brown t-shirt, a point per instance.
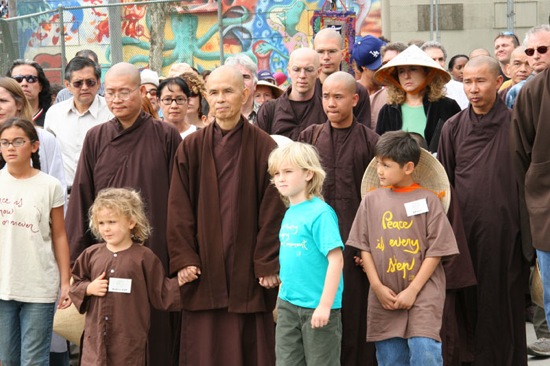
(398, 244)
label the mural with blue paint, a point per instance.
(268, 31)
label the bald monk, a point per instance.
(136, 151)
(479, 52)
(298, 107)
(474, 148)
(346, 149)
(518, 69)
(329, 45)
(224, 218)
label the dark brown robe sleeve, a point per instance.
(163, 292)
(81, 280)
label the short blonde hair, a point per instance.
(303, 156)
(125, 202)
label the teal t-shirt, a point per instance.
(414, 119)
(309, 231)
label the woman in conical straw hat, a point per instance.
(416, 96)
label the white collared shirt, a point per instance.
(70, 128)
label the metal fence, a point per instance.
(198, 32)
(116, 32)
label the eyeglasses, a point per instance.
(152, 92)
(89, 83)
(122, 95)
(540, 49)
(31, 79)
(15, 143)
(178, 100)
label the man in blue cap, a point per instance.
(366, 58)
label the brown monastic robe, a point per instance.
(117, 323)
(475, 151)
(138, 157)
(224, 216)
(345, 154)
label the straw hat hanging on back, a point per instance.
(428, 173)
(412, 56)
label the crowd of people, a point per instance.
(388, 216)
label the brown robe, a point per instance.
(224, 216)
(475, 153)
(530, 141)
(139, 157)
(345, 154)
(117, 323)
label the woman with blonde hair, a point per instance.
(416, 96)
(14, 103)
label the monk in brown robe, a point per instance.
(475, 150)
(298, 107)
(346, 149)
(136, 151)
(329, 45)
(224, 218)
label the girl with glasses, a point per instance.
(34, 252)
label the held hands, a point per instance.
(271, 281)
(64, 299)
(320, 317)
(98, 287)
(188, 274)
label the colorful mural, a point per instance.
(266, 30)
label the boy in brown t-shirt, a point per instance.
(403, 232)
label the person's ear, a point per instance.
(408, 168)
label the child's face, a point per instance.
(291, 181)
(17, 155)
(114, 228)
(391, 174)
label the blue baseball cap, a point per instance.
(366, 52)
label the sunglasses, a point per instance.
(540, 49)
(31, 79)
(89, 83)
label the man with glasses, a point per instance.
(71, 119)
(298, 107)
(65, 93)
(35, 85)
(537, 49)
(136, 151)
(530, 131)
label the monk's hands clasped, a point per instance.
(98, 287)
(188, 274)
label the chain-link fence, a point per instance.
(198, 32)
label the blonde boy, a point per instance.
(309, 329)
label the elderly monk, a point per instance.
(131, 150)
(474, 148)
(518, 69)
(346, 149)
(223, 223)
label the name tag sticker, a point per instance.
(416, 207)
(122, 285)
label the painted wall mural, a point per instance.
(266, 30)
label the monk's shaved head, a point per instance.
(124, 69)
(518, 52)
(344, 79)
(328, 34)
(492, 64)
(228, 71)
(304, 54)
(479, 52)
